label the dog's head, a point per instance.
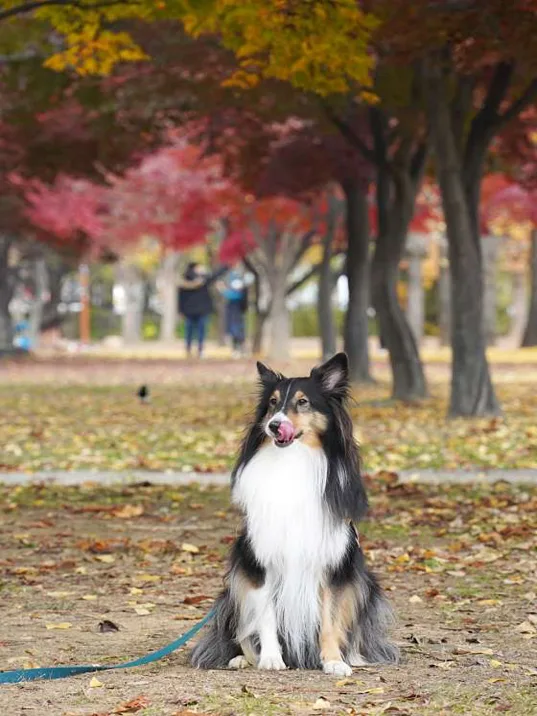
(302, 408)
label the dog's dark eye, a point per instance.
(272, 402)
(302, 402)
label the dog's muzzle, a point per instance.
(282, 431)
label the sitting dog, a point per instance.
(298, 592)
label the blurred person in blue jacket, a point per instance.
(236, 294)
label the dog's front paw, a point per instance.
(239, 662)
(337, 668)
(271, 662)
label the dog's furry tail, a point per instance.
(218, 646)
(375, 618)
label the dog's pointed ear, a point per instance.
(334, 374)
(266, 374)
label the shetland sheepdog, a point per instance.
(298, 593)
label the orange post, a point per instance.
(84, 324)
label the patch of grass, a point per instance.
(197, 426)
(488, 699)
(244, 704)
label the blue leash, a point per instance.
(49, 673)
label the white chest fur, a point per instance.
(291, 532)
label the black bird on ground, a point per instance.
(143, 394)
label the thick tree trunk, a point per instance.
(40, 287)
(416, 297)
(407, 370)
(444, 300)
(6, 327)
(325, 307)
(530, 334)
(397, 186)
(260, 318)
(261, 309)
(279, 319)
(356, 329)
(489, 253)
(168, 292)
(472, 392)
(133, 286)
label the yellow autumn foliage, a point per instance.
(316, 45)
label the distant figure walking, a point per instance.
(196, 304)
(236, 295)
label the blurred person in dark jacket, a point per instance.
(196, 303)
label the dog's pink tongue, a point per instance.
(286, 431)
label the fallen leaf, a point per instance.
(59, 625)
(129, 707)
(526, 628)
(60, 595)
(95, 683)
(89, 597)
(106, 558)
(191, 548)
(196, 600)
(472, 650)
(128, 511)
(348, 682)
(147, 578)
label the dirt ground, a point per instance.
(459, 564)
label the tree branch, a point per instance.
(518, 105)
(303, 279)
(498, 87)
(347, 131)
(38, 4)
(305, 243)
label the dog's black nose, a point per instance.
(274, 426)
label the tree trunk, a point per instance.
(261, 306)
(260, 318)
(133, 286)
(356, 329)
(398, 182)
(489, 252)
(168, 292)
(280, 325)
(325, 292)
(444, 300)
(530, 334)
(6, 326)
(36, 313)
(407, 370)
(472, 392)
(416, 298)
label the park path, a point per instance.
(79, 477)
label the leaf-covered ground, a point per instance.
(459, 565)
(84, 415)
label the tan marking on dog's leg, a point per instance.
(249, 653)
(334, 616)
(239, 662)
